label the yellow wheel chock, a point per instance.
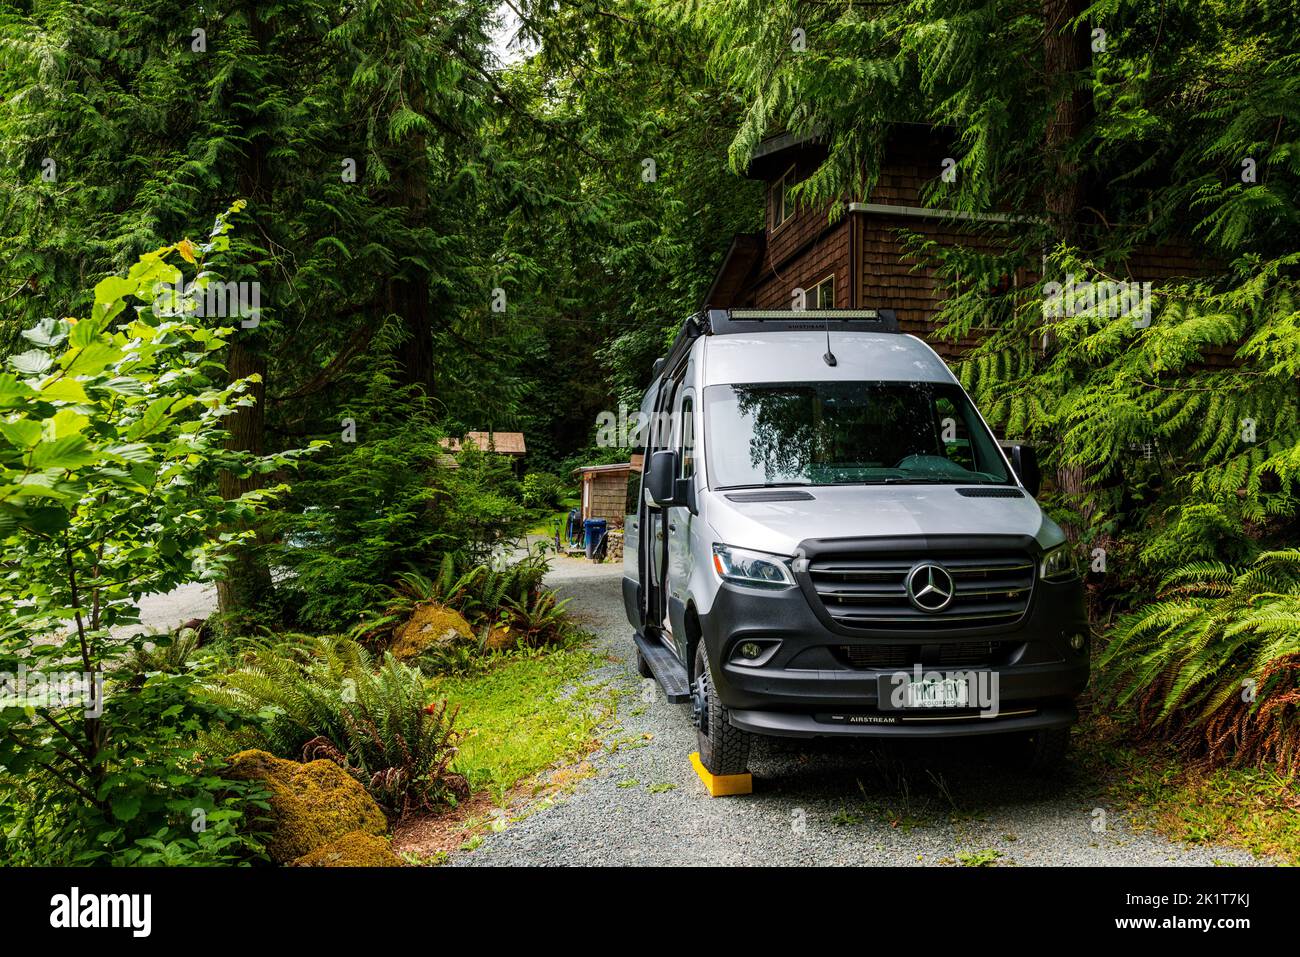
(722, 785)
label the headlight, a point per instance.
(744, 567)
(1059, 563)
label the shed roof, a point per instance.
(616, 467)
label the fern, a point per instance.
(1221, 646)
(323, 697)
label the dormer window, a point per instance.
(782, 201)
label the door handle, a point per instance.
(672, 526)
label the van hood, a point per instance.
(854, 511)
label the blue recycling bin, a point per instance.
(594, 529)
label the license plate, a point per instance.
(902, 691)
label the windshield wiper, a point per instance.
(921, 481)
(766, 485)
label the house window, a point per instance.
(782, 201)
(822, 295)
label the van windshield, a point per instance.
(847, 433)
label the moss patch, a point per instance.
(354, 849)
(429, 624)
(312, 804)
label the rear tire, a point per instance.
(1048, 749)
(643, 666)
(723, 749)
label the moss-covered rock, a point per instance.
(354, 849)
(429, 624)
(312, 804)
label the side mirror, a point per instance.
(661, 478)
(662, 486)
(1025, 461)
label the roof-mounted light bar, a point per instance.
(794, 315)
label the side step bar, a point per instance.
(668, 671)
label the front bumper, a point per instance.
(810, 687)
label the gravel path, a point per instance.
(918, 803)
(168, 610)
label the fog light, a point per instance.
(1077, 641)
(750, 653)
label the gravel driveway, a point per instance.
(919, 803)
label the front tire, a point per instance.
(643, 666)
(723, 749)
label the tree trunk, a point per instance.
(408, 293)
(1067, 56)
(246, 585)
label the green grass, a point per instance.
(984, 858)
(546, 526)
(524, 715)
(1257, 810)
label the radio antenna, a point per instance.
(829, 358)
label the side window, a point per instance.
(633, 497)
(954, 437)
(687, 445)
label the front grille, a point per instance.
(960, 654)
(867, 591)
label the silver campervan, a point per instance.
(827, 539)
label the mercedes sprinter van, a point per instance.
(826, 539)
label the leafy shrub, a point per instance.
(538, 619)
(481, 589)
(387, 505)
(327, 697)
(172, 654)
(505, 604)
(543, 490)
(158, 798)
(1215, 663)
(111, 439)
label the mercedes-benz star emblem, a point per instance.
(930, 587)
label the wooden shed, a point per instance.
(502, 443)
(604, 491)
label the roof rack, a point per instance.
(721, 322)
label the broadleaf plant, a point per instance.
(111, 441)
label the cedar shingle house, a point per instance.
(858, 261)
